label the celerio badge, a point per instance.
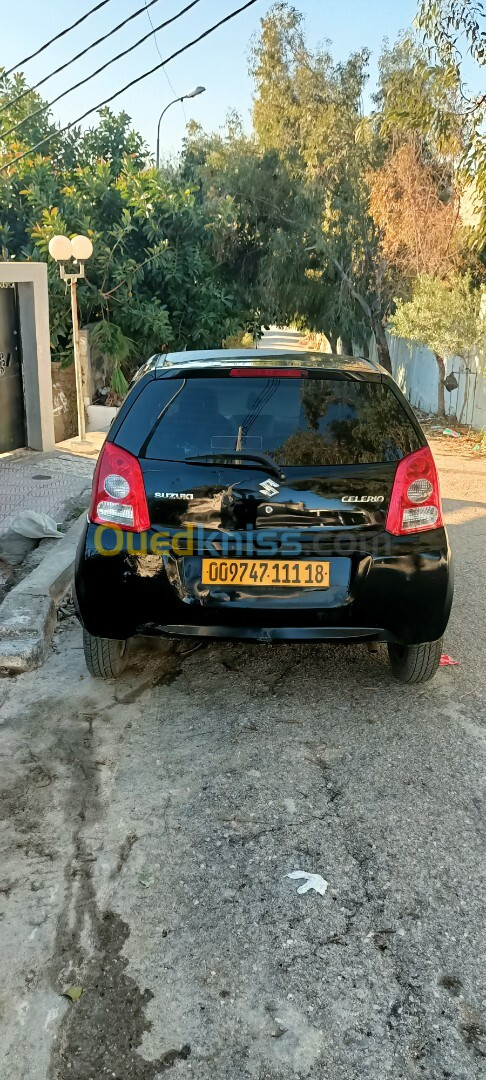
(363, 498)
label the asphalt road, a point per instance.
(149, 827)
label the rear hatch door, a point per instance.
(254, 458)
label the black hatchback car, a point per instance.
(260, 496)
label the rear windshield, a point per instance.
(295, 421)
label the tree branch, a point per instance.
(365, 307)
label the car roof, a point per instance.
(304, 358)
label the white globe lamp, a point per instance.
(60, 248)
(82, 248)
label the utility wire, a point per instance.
(49, 104)
(127, 86)
(56, 38)
(130, 84)
(149, 17)
(30, 89)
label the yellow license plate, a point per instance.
(265, 572)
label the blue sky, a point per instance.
(219, 63)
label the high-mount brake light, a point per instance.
(267, 373)
(415, 500)
(118, 491)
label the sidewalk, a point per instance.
(50, 483)
(58, 484)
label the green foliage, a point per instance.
(306, 107)
(443, 20)
(239, 341)
(443, 24)
(444, 316)
(276, 226)
(280, 202)
(251, 200)
(154, 279)
(118, 381)
(32, 131)
(290, 206)
(308, 112)
(115, 349)
(111, 342)
(419, 101)
(113, 140)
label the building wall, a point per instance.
(64, 402)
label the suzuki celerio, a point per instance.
(265, 497)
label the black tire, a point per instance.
(415, 663)
(105, 657)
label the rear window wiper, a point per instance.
(241, 455)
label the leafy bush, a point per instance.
(154, 279)
(443, 315)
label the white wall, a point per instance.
(31, 280)
(416, 372)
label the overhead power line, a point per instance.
(49, 104)
(128, 86)
(56, 38)
(104, 37)
(149, 17)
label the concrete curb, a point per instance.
(28, 614)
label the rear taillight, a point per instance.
(118, 491)
(415, 499)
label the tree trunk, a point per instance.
(372, 317)
(382, 344)
(346, 345)
(440, 388)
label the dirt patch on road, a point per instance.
(101, 1031)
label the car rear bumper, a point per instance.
(399, 592)
(277, 633)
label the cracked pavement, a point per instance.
(148, 827)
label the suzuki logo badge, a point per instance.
(269, 488)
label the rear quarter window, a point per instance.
(297, 422)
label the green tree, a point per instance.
(112, 140)
(443, 315)
(311, 217)
(308, 111)
(418, 103)
(305, 106)
(30, 131)
(443, 21)
(154, 279)
(445, 25)
(251, 200)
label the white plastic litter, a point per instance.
(26, 529)
(34, 524)
(312, 881)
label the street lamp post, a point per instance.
(192, 93)
(63, 250)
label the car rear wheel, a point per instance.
(415, 663)
(105, 657)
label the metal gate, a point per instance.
(12, 418)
